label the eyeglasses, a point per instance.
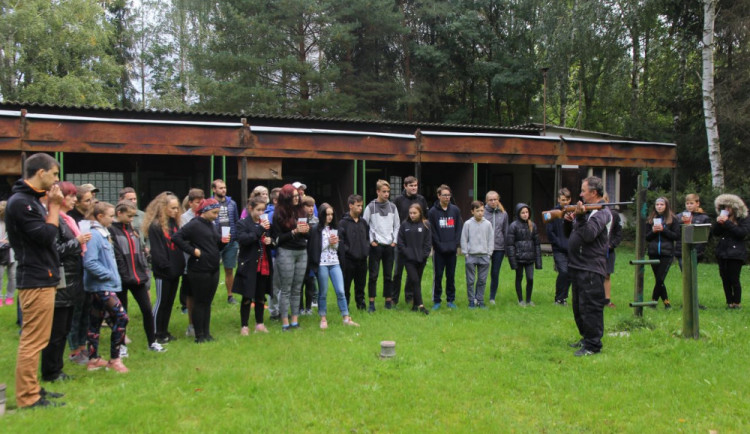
(445, 195)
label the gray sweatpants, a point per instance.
(291, 267)
(479, 267)
(273, 305)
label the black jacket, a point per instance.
(556, 234)
(731, 244)
(403, 203)
(249, 236)
(698, 218)
(69, 250)
(287, 239)
(129, 254)
(414, 241)
(662, 243)
(588, 243)
(615, 230)
(445, 226)
(354, 238)
(200, 234)
(33, 240)
(167, 260)
(522, 245)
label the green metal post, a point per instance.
(689, 288)
(224, 168)
(212, 170)
(62, 166)
(364, 182)
(641, 209)
(476, 179)
(356, 162)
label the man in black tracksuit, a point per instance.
(587, 265)
(403, 202)
(446, 226)
(354, 246)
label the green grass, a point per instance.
(505, 369)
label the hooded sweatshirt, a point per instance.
(523, 245)
(499, 220)
(731, 244)
(477, 238)
(382, 217)
(445, 225)
(353, 238)
(589, 241)
(33, 239)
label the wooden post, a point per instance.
(640, 217)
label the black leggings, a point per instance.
(143, 298)
(729, 270)
(529, 268)
(203, 286)
(166, 290)
(660, 275)
(103, 304)
(413, 285)
(260, 301)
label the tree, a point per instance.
(709, 97)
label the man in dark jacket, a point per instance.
(403, 202)
(559, 240)
(354, 246)
(32, 232)
(446, 225)
(587, 263)
(227, 221)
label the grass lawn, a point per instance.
(504, 369)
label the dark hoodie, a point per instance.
(354, 238)
(33, 239)
(589, 241)
(403, 203)
(446, 226)
(556, 235)
(129, 255)
(522, 244)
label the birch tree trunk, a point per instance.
(709, 98)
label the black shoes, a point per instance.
(43, 403)
(62, 376)
(577, 344)
(47, 394)
(423, 310)
(584, 352)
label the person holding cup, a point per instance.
(732, 227)
(322, 250)
(663, 229)
(290, 231)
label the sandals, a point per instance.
(260, 328)
(349, 322)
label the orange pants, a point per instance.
(37, 308)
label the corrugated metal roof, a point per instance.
(382, 124)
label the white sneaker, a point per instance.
(190, 331)
(492, 302)
(123, 351)
(314, 304)
(157, 348)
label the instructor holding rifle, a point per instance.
(587, 264)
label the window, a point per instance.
(397, 186)
(611, 178)
(108, 183)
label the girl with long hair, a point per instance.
(732, 227)
(524, 251)
(290, 232)
(163, 220)
(663, 229)
(414, 244)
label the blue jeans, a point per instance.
(337, 278)
(497, 261)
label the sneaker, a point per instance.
(349, 322)
(183, 310)
(423, 310)
(611, 305)
(231, 300)
(388, 304)
(530, 303)
(482, 306)
(245, 331)
(295, 325)
(492, 301)
(522, 303)
(190, 332)
(701, 307)
(371, 309)
(117, 366)
(96, 364)
(80, 358)
(42, 403)
(9, 301)
(155, 347)
(576, 344)
(260, 328)
(451, 305)
(275, 317)
(285, 328)
(124, 351)
(561, 302)
(472, 305)
(314, 304)
(667, 305)
(62, 376)
(436, 306)
(583, 351)
(49, 394)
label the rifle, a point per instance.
(554, 214)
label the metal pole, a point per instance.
(212, 170)
(364, 182)
(689, 288)
(355, 175)
(641, 208)
(62, 166)
(476, 180)
(224, 168)
(243, 187)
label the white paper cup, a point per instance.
(301, 221)
(725, 213)
(335, 232)
(264, 217)
(225, 231)
(657, 221)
